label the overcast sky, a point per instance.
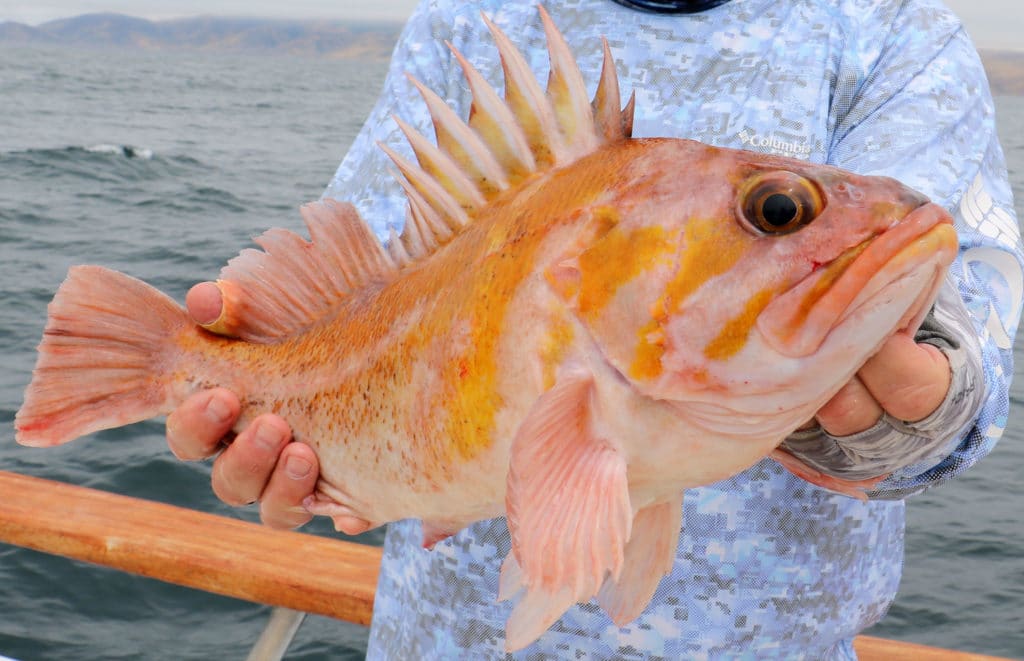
(991, 23)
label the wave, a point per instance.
(110, 162)
(126, 151)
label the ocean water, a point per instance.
(164, 166)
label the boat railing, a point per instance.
(239, 559)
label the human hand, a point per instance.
(261, 463)
(905, 379)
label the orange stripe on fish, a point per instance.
(711, 247)
(614, 260)
(828, 276)
(734, 334)
(649, 352)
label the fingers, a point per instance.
(244, 468)
(851, 410)
(263, 464)
(907, 379)
(293, 480)
(195, 429)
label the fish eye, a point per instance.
(779, 202)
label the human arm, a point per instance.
(904, 406)
(920, 110)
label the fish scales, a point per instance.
(439, 326)
(574, 327)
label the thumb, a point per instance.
(206, 305)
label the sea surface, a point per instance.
(164, 166)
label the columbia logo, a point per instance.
(774, 144)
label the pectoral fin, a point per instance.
(568, 508)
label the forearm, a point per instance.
(929, 122)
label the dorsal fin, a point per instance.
(503, 141)
(610, 122)
(273, 293)
(289, 285)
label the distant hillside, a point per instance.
(316, 38)
(1005, 71)
(319, 38)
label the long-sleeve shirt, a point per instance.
(766, 565)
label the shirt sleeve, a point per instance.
(921, 111)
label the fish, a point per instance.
(574, 327)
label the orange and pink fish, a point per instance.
(574, 327)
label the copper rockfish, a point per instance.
(574, 327)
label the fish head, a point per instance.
(752, 284)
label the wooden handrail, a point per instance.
(203, 551)
(236, 558)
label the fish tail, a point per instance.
(106, 353)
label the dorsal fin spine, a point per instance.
(495, 123)
(503, 140)
(399, 255)
(627, 116)
(432, 191)
(412, 236)
(461, 143)
(440, 166)
(427, 229)
(429, 222)
(568, 93)
(440, 225)
(429, 239)
(528, 102)
(606, 104)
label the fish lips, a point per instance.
(914, 253)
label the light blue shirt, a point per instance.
(767, 565)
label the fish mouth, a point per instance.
(889, 266)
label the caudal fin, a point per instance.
(104, 357)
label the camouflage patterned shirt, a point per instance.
(767, 566)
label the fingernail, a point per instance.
(297, 468)
(217, 411)
(266, 437)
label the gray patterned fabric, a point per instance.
(767, 565)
